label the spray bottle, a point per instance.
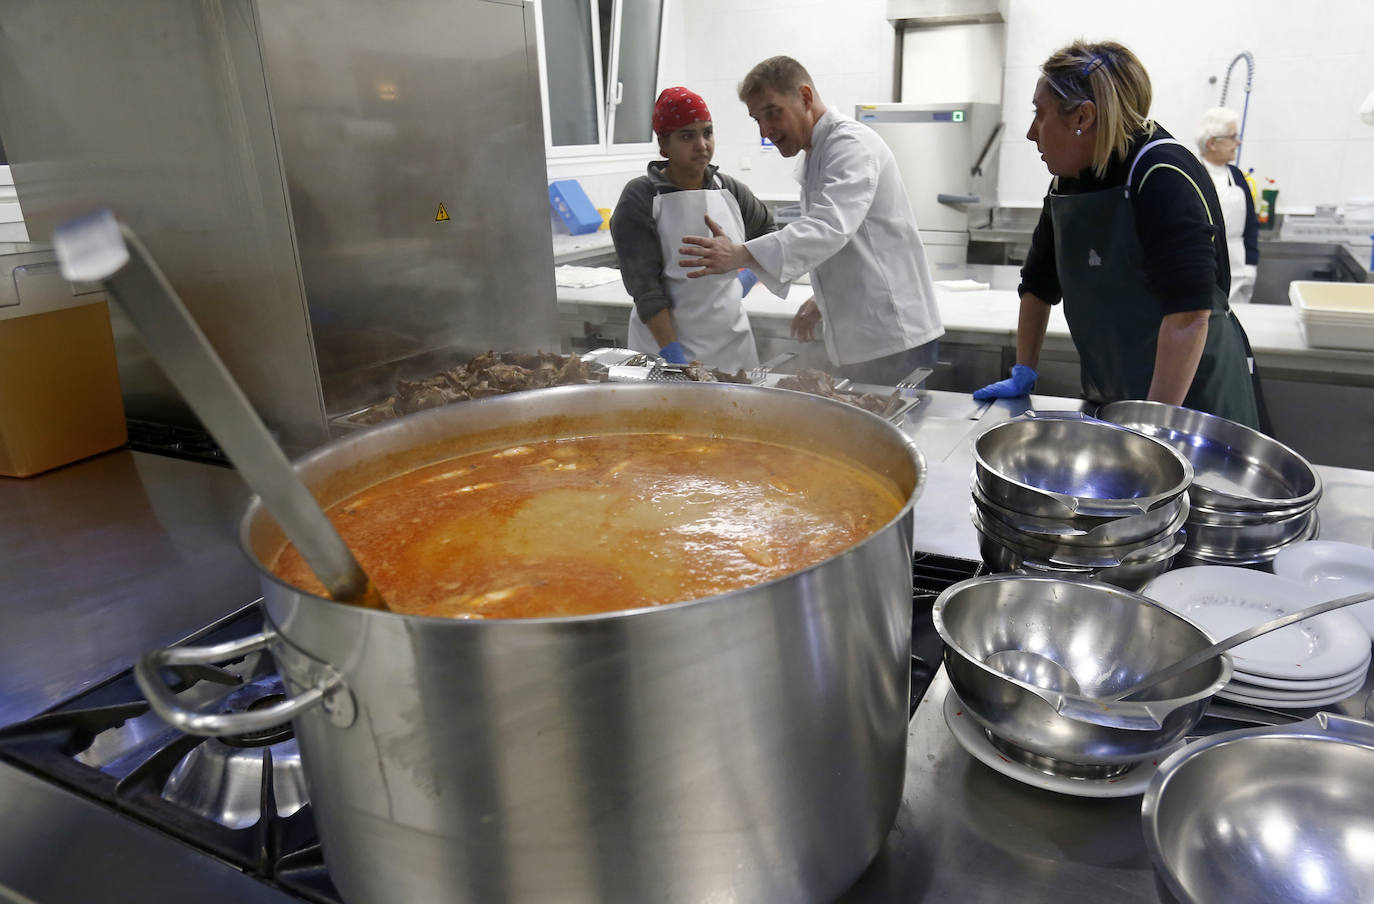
(1254, 186)
(1267, 215)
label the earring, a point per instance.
(1078, 131)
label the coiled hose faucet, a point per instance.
(1249, 79)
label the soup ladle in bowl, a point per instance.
(1235, 640)
(99, 247)
(1034, 669)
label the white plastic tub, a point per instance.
(1335, 315)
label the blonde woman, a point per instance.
(1131, 240)
(1218, 138)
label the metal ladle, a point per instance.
(98, 247)
(1235, 640)
(1042, 672)
(1035, 670)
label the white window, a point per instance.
(599, 65)
(12, 227)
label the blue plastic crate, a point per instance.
(573, 206)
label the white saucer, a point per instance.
(1309, 686)
(972, 738)
(1339, 569)
(1275, 695)
(1224, 600)
(1335, 696)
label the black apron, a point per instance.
(1114, 319)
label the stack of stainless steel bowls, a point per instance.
(1251, 495)
(1067, 495)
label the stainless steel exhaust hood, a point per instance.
(343, 191)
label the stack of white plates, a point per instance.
(1313, 663)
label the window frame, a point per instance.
(607, 97)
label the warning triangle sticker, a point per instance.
(442, 214)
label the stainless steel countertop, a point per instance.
(120, 553)
(967, 833)
(105, 559)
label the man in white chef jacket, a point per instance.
(856, 235)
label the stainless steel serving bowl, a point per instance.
(1084, 531)
(1107, 638)
(1223, 517)
(1267, 815)
(1056, 468)
(1235, 467)
(1132, 573)
(1248, 540)
(1071, 550)
(1196, 554)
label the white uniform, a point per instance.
(857, 237)
(707, 311)
(1232, 198)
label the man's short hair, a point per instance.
(780, 74)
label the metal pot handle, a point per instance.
(327, 688)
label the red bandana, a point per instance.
(678, 107)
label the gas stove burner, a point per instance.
(225, 784)
(222, 778)
(263, 737)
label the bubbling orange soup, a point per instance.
(600, 523)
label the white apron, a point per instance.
(1232, 198)
(707, 311)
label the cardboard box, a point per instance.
(59, 382)
(573, 207)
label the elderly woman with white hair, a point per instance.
(1218, 138)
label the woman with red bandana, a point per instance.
(679, 318)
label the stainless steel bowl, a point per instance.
(1250, 539)
(1197, 554)
(1241, 518)
(1082, 531)
(1055, 468)
(1267, 815)
(1106, 637)
(1131, 574)
(1072, 550)
(1235, 467)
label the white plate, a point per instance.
(1224, 600)
(1320, 695)
(1308, 687)
(1335, 696)
(1339, 569)
(972, 738)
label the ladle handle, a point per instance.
(1235, 640)
(98, 247)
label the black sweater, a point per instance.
(1184, 254)
(635, 233)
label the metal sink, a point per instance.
(1281, 262)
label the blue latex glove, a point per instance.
(1020, 383)
(747, 279)
(673, 353)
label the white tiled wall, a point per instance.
(1314, 64)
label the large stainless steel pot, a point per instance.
(744, 747)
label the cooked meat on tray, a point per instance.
(487, 374)
(818, 382)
